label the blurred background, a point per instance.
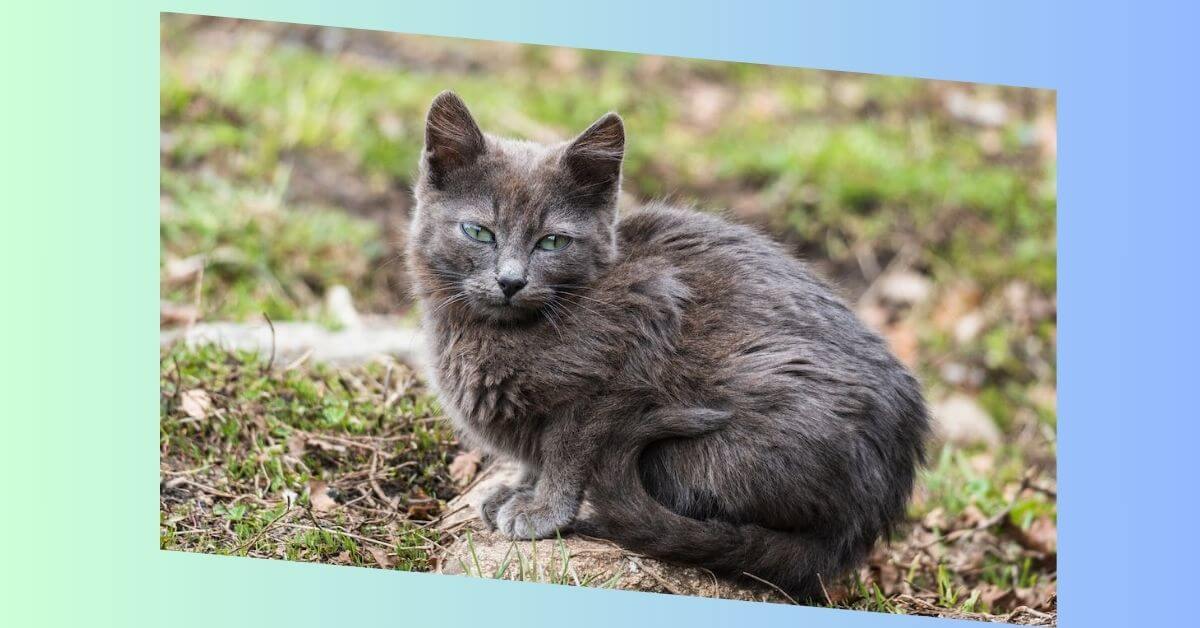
(287, 153)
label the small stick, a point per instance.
(773, 586)
(271, 324)
(821, 581)
(258, 535)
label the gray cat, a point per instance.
(718, 405)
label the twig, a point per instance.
(653, 574)
(364, 539)
(271, 324)
(254, 539)
(375, 483)
(387, 384)
(825, 591)
(300, 360)
(208, 489)
(773, 586)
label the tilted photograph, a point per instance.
(589, 318)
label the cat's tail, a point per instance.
(622, 511)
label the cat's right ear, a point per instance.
(452, 138)
(593, 160)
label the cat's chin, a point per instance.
(501, 312)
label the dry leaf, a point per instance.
(177, 315)
(421, 506)
(902, 338)
(381, 557)
(318, 496)
(935, 519)
(296, 445)
(464, 467)
(196, 403)
(1042, 536)
(178, 271)
(325, 445)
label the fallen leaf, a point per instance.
(902, 338)
(296, 445)
(935, 519)
(955, 303)
(196, 403)
(319, 497)
(464, 467)
(422, 506)
(991, 594)
(1042, 536)
(381, 557)
(176, 315)
(325, 445)
(889, 578)
(183, 270)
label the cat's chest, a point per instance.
(485, 380)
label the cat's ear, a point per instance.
(593, 160)
(452, 138)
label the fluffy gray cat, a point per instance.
(716, 403)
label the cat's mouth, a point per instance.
(507, 309)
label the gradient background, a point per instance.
(78, 253)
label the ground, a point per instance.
(287, 155)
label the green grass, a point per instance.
(827, 172)
(849, 170)
(248, 463)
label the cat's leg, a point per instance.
(568, 449)
(502, 492)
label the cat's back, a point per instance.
(722, 262)
(745, 289)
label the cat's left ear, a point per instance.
(452, 138)
(593, 160)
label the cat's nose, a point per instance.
(511, 285)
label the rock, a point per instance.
(905, 288)
(968, 327)
(571, 559)
(959, 419)
(375, 337)
(340, 305)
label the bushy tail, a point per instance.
(622, 511)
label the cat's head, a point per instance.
(502, 228)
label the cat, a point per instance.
(715, 403)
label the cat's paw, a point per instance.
(524, 518)
(491, 505)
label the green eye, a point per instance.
(475, 232)
(553, 242)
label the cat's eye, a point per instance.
(477, 233)
(553, 242)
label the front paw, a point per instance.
(524, 518)
(490, 507)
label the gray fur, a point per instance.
(718, 404)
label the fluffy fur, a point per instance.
(716, 403)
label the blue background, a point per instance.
(86, 93)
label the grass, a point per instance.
(260, 442)
(286, 168)
(352, 466)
